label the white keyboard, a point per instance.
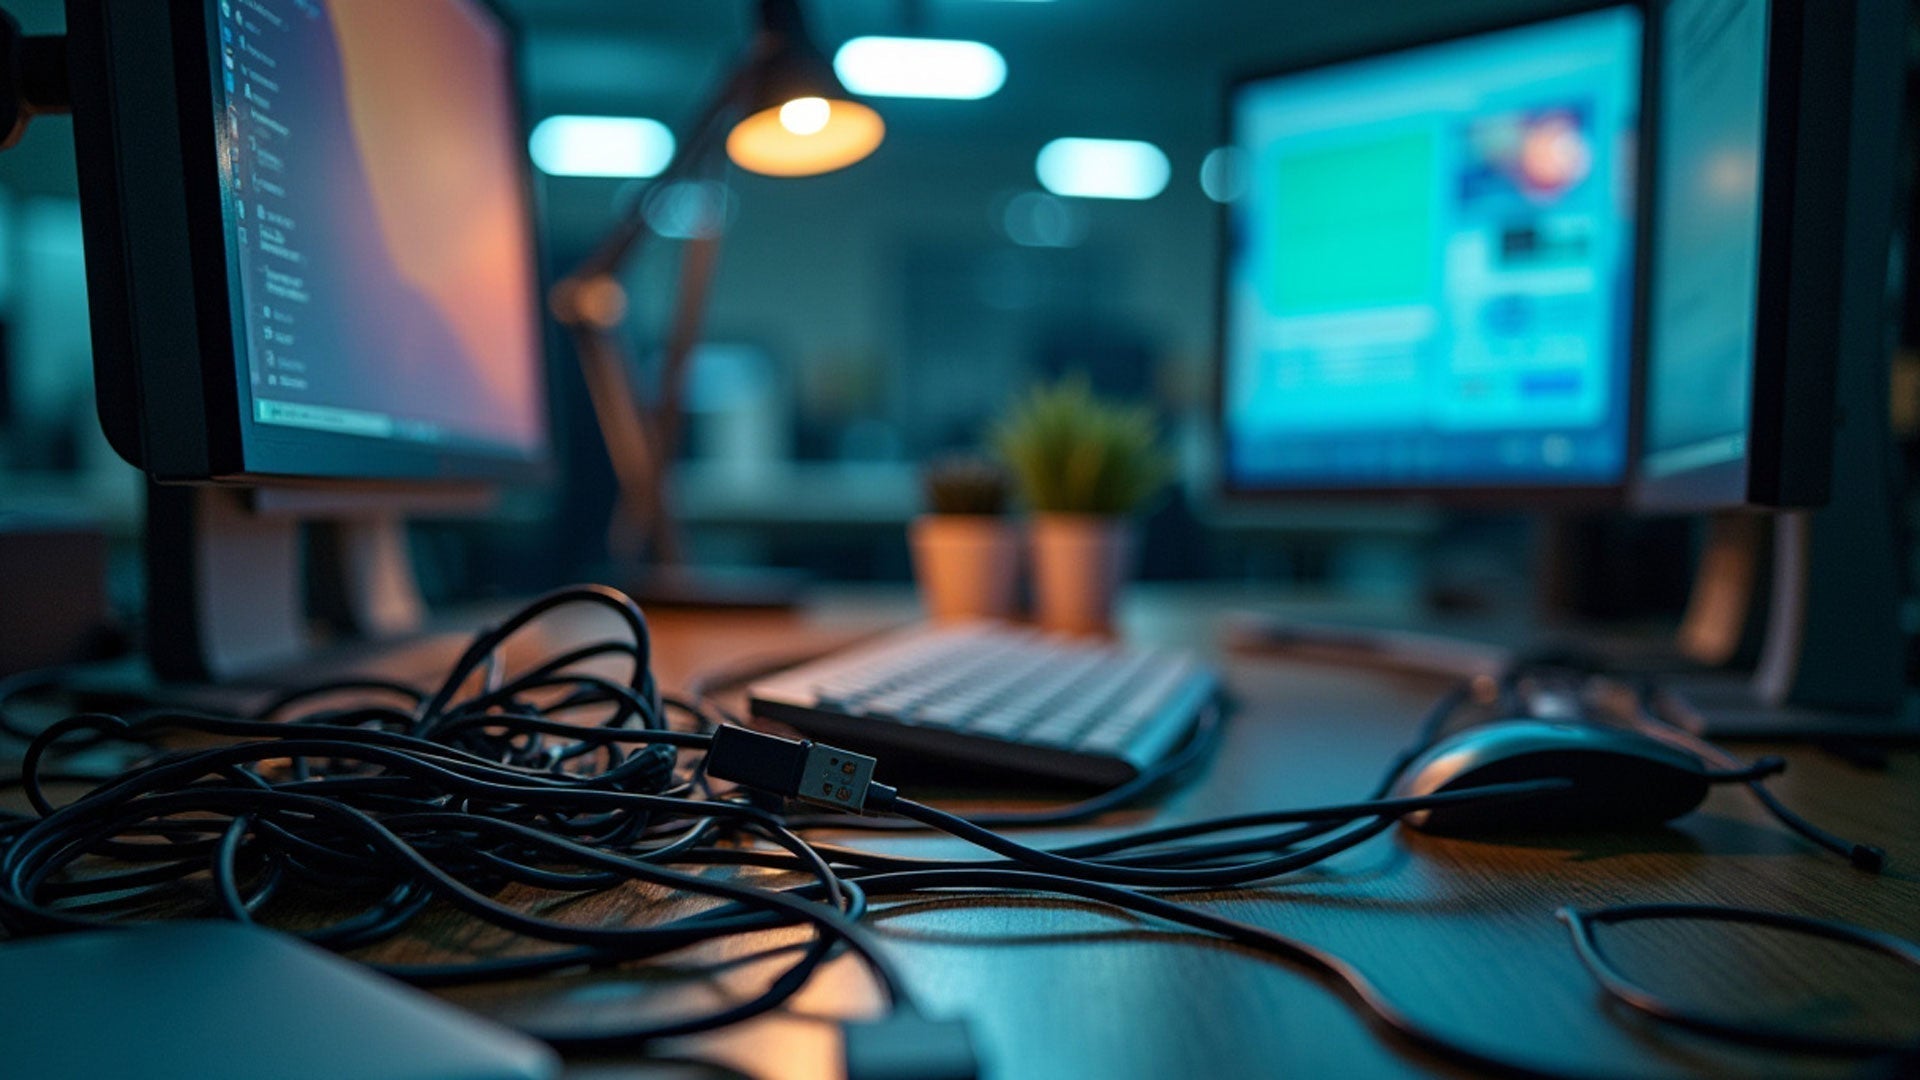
(998, 698)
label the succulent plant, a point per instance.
(965, 485)
(1072, 453)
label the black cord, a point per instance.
(1100, 871)
(1368, 819)
(1196, 748)
(1581, 925)
(392, 799)
(1650, 721)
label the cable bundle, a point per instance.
(495, 787)
(481, 784)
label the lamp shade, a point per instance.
(797, 119)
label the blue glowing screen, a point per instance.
(1429, 277)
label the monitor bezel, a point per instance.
(1602, 494)
(169, 387)
(1788, 459)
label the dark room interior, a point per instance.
(936, 539)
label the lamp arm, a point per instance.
(588, 302)
(640, 441)
(630, 447)
(698, 261)
(628, 237)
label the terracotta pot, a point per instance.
(1079, 564)
(968, 566)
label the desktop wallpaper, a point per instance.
(1430, 277)
(380, 224)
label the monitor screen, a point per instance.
(1703, 318)
(1430, 273)
(379, 234)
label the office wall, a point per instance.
(816, 270)
(856, 285)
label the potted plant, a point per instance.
(1083, 466)
(966, 555)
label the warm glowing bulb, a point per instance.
(822, 137)
(806, 116)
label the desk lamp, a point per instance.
(783, 113)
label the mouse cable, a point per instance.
(1184, 866)
(1643, 714)
(1306, 824)
(1197, 748)
(1649, 720)
(771, 764)
(784, 767)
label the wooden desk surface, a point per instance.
(1459, 933)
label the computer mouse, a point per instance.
(1621, 779)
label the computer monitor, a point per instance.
(313, 279)
(311, 245)
(1770, 331)
(1762, 289)
(1430, 278)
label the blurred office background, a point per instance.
(865, 321)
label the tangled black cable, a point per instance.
(558, 778)
(484, 782)
(495, 788)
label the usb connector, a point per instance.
(804, 770)
(835, 777)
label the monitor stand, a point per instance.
(1833, 662)
(228, 622)
(1831, 654)
(1726, 617)
(1560, 620)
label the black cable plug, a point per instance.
(802, 769)
(903, 1045)
(1867, 857)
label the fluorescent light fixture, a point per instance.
(920, 68)
(1103, 168)
(617, 146)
